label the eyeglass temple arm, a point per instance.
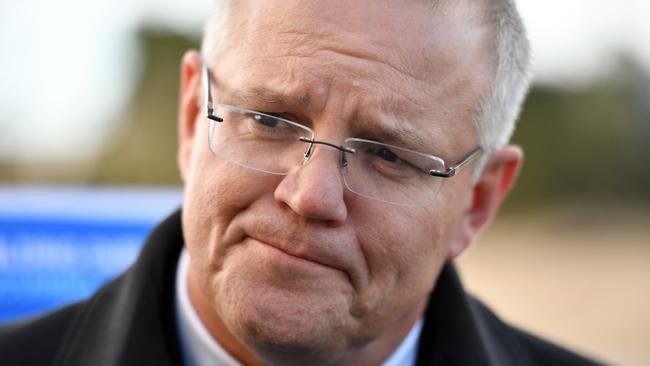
(451, 171)
(208, 96)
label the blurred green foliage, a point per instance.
(582, 144)
(144, 150)
(588, 143)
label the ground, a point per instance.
(577, 276)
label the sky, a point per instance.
(61, 88)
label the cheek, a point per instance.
(418, 248)
(400, 242)
(405, 252)
(215, 192)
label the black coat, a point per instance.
(131, 321)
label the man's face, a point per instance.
(298, 262)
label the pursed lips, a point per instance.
(282, 249)
(320, 248)
(335, 247)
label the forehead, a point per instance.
(407, 59)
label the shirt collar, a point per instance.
(198, 347)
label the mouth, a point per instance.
(285, 242)
(277, 252)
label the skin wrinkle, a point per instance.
(478, 12)
(303, 230)
(354, 53)
(405, 138)
(394, 251)
(293, 240)
(446, 91)
(369, 56)
(284, 92)
(271, 315)
(255, 96)
(401, 137)
(405, 76)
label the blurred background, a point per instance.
(88, 96)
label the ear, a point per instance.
(189, 108)
(498, 177)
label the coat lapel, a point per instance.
(459, 330)
(130, 320)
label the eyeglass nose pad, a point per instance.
(344, 160)
(310, 148)
(308, 152)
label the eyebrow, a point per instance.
(402, 137)
(267, 96)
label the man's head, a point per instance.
(296, 267)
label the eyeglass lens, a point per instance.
(270, 144)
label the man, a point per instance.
(337, 156)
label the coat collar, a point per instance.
(459, 330)
(131, 319)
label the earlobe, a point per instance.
(498, 178)
(189, 108)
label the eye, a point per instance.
(385, 154)
(271, 127)
(386, 161)
(266, 121)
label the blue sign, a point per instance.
(58, 245)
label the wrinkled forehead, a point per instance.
(416, 37)
(408, 54)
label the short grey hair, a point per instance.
(496, 115)
(216, 31)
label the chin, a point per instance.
(278, 322)
(309, 344)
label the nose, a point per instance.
(315, 189)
